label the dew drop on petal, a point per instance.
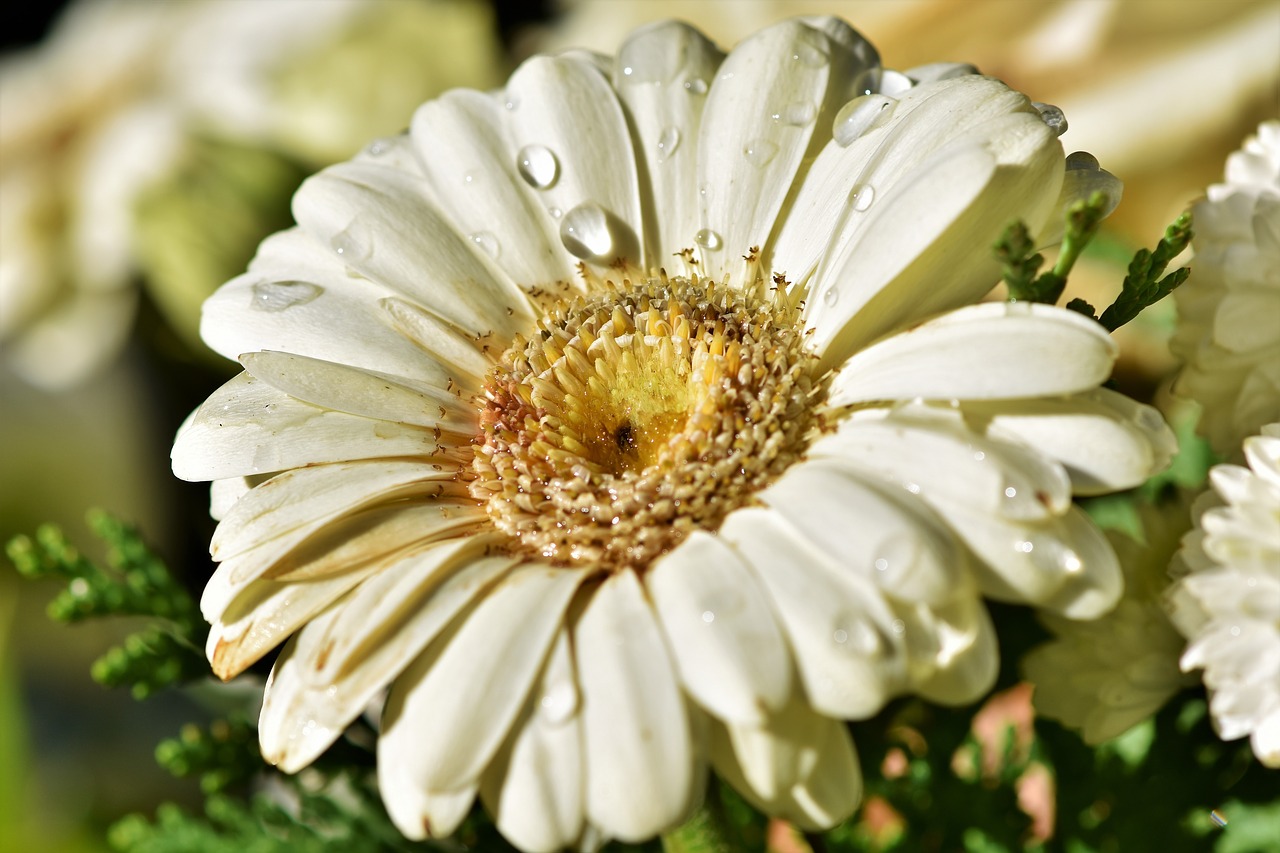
(708, 239)
(894, 83)
(279, 295)
(593, 234)
(862, 114)
(861, 197)
(852, 634)
(1082, 160)
(759, 152)
(897, 554)
(668, 142)
(555, 212)
(798, 114)
(1010, 492)
(810, 55)
(538, 166)
(486, 241)
(559, 702)
(708, 616)
(696, 86)
(831, 296)
(1052, 116)
(470, 178)
(899, 627)
(651, 60)
(350, 243)
(378, 147)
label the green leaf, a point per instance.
(1144, 286)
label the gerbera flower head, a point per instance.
(637, 417)
(1227, 599)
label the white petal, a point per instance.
(328, 673)
(389, 231)
(639, 755)
(417, 813)
(565, 109)
(930, 451)
(452, 707)
(769, 96)
(223, 495)
(247, 427)
(882, 534)
(953, 649)
(661, 75)
(848, 657)
(298, 297)
(800, 766)
(726, 644)
(534, 789)
(1063, 564)
(465, 154)
(995, 350)
(358, 392)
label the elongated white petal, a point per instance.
(995, 350)
(1106, 441)
(247, 427)
(589, 176)
(420, 814)
(661, 74)
(358, 392)
(868, 530)
(534, 788)
(327, 676)
(472, 168)
(386, 228)
(848, 656)
(930, 451)
(800, 766)
(298, 297)
(952, 648)
(769, 96)
(638, 749)
(452, 707)
(727, 647)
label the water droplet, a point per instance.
(831, 297)
(1052, 116)
(595, 235)
(798, 114)
(279, 295)
(759, 152)
(1010, 492)
(1026, 546)
(668, 142)
(894, 83)
(851, 633)
(898, 553)
(810, 55)
(486, 241)
(350, 243)
(378, 147)
(538, 166)
(512, 102)
(708, 239)
(859, 116)
(881, 564)
(696, 86)
(1082, 160)
(555, 212)
(1235, 630)
(651, 60)
(1149, 419)
(706, 192)
(978, 455)
(470, 178)
(861, 197)
(899, 627)
(559, 702)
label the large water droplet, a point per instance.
(759, 152)
(1052, 116)
(708, 239)
(1082, 160)
(860, 197)
(489, 243)
(351, 243)
(895, 83)
(558, 702)
(696, 86)
(668, 142)
(538, 166)
(862, 114)
(651, 60)
(279, 295)
(595, 235)
(798, 114)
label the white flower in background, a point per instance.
(111, 104)
(1229, 310)
(1227, 600)
(639, 416)
(1106, 675)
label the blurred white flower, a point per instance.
(1104, 676)
(641, 413)
(1228, 331)
(1227, 601)
(110, 105)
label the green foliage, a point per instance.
(1015, 250)
(1146, 283)
(135, 583)
(223, 754)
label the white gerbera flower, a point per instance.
(1227, 603)
(1228, 333)
(1104, 676)
(637, 417)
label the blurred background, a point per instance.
(147, 147)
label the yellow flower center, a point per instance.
(631, 418)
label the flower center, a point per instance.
(631, 418)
